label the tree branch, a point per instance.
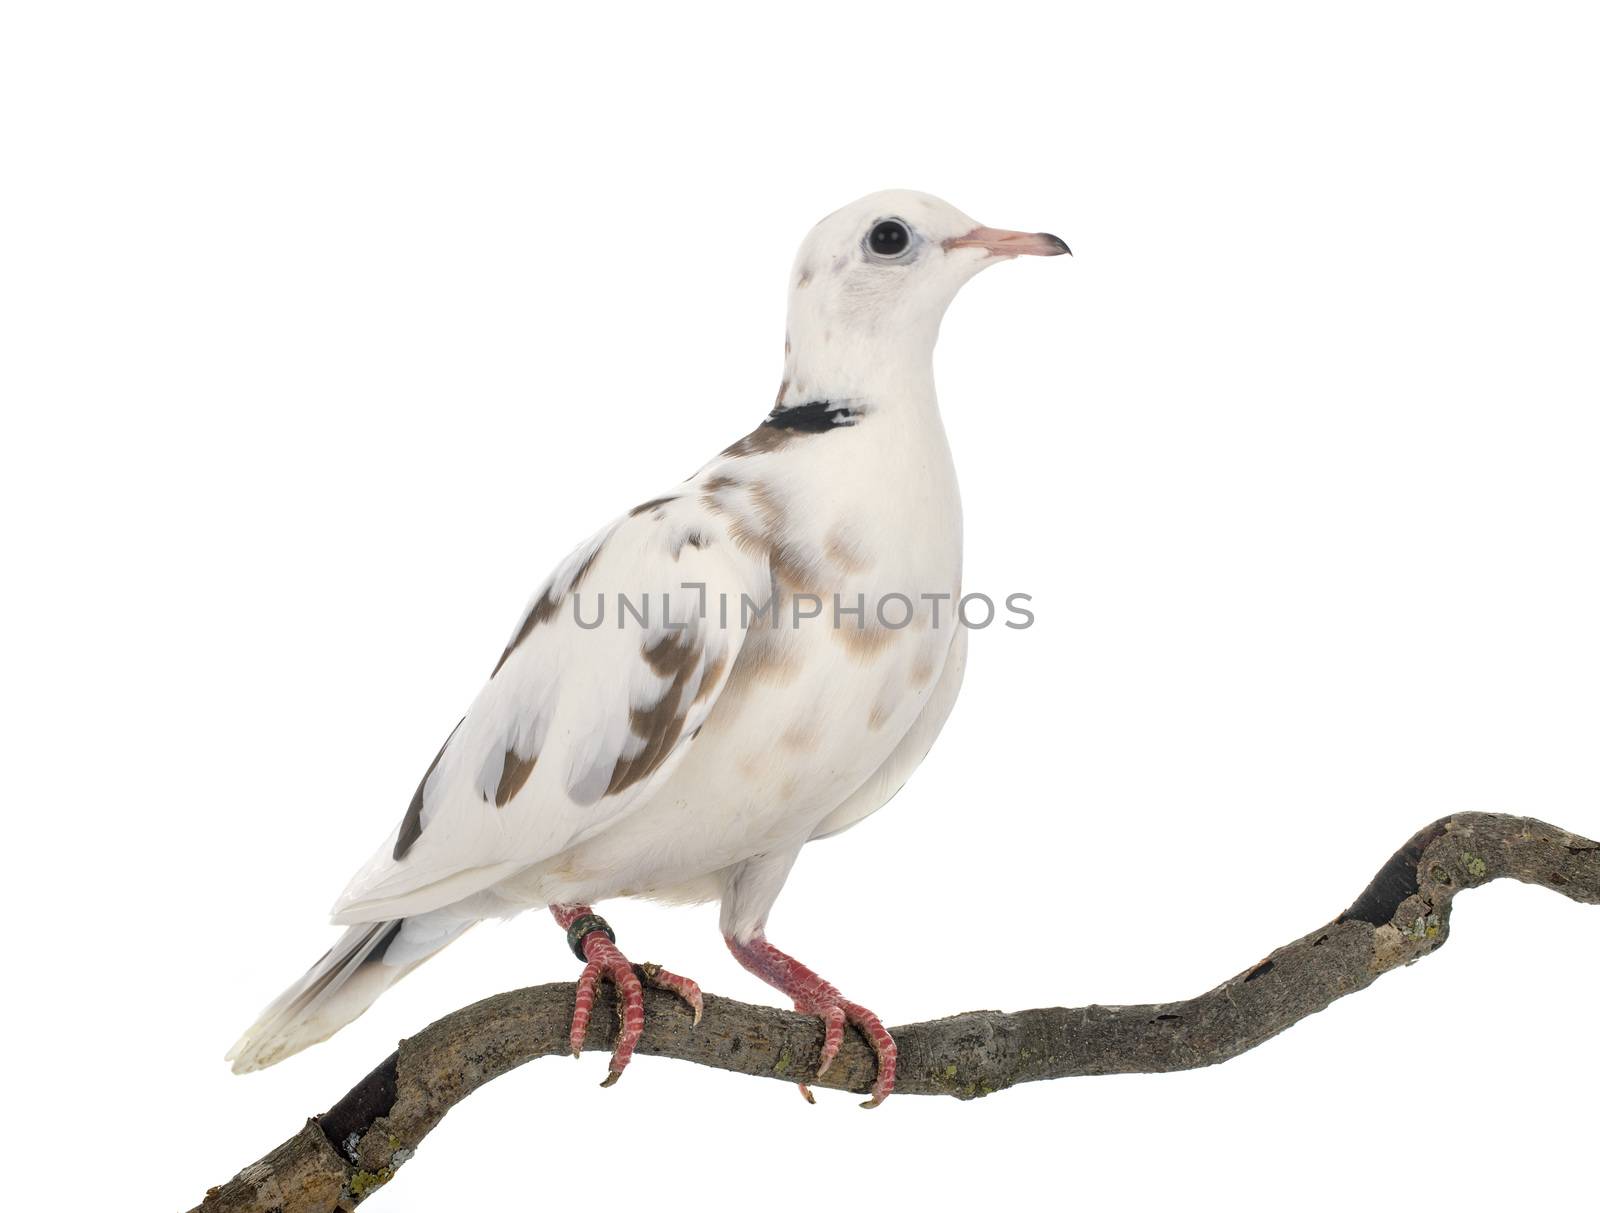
(355, 1147)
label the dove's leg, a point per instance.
(813, 996)
(593, 943)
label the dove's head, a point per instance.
(872, 281)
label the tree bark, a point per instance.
(358, 1145)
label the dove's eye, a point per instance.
(889, 238)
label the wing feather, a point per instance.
(580, 719)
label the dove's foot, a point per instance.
(813, 996)
(593, 943)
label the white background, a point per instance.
(328, 329)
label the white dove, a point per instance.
(777, 647)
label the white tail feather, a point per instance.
(368, 959)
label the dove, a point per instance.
(751, 660)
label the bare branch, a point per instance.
(341, 1157)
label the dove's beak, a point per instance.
(1000, 243)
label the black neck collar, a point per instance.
(812, 417)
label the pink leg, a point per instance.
(813, 996)
(589, 935)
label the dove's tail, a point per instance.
(368, 959)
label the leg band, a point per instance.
(584, 926)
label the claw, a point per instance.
(604, 961)
(813, 996)
(673, 984)
(833, 1020)
(882, 1044)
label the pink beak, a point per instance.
(1001, 243)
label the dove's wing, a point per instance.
(578, 723)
